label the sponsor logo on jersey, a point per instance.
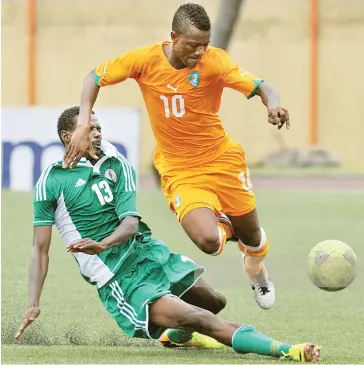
(79, 183)
(194, 78)
(173, 88)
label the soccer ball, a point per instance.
(332, 265)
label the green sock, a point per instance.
(246, 339)
(179, 336)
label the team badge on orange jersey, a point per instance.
(177, 201)
(194, 78)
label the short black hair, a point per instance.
(190, 14)
(67, 120)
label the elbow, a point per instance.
(134, 227)
(133, 223)
(41, 249)
(89, 80)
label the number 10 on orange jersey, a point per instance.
(178, 105)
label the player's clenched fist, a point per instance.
(29, 317)
(279, 116)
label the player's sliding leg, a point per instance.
(210, 236)
(204, 296)
(252, 241)
(171, 311)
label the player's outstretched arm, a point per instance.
(270, 98)
(250, 85)
(126, 229)
(111, 72)
(80, 142)
(90, 91)
(37, 273)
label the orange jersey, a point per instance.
(182, 104)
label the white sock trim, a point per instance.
(263, 241)
(242, 326)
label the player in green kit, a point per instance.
(144, 286)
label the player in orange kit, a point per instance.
(204, 174)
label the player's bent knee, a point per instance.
(208, 243)
(213, 301)
(252, 237)
(219, 302)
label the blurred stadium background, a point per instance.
(274, 41)
(309, 180)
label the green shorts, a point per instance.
(154, 273)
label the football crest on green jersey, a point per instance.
(194, 78)
(111, 175)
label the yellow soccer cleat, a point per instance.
(305, 352)
(197, 340)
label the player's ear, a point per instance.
(66, 136)
(173, 36)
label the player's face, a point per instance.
(190, 46)
(95, 133)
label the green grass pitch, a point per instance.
(74, 329)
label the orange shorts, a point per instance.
(223, 185)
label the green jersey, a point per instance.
(90, 201)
